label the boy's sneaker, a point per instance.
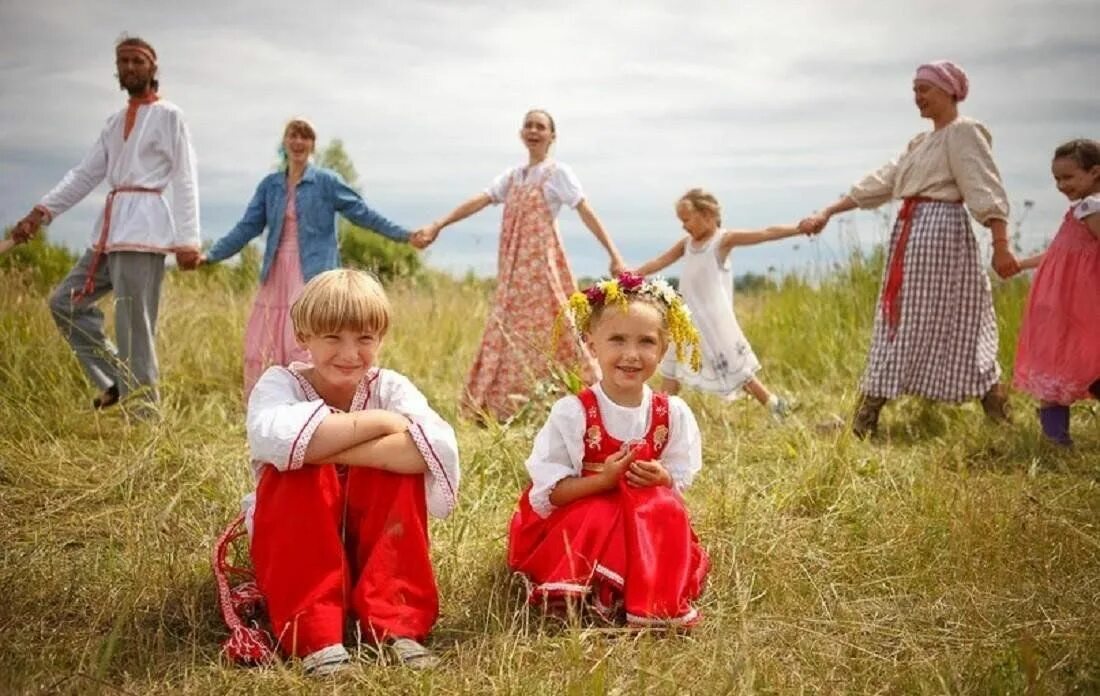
(326, 661)
(412, 654)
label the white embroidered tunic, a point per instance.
(954, 163)
(558, 451)
(284, 411)
(157, 155)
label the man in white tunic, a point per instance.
(143, 152)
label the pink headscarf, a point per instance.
(947, 76)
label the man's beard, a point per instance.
(136, 91)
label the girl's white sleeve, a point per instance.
(557, 452)
(564, 186)
(683, 458)
(281, 420)
(433, 436)
(1090, 205)
(498, 190)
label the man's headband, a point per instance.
(146, 53)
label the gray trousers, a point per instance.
(135, 277)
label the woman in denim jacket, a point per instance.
(301, 243)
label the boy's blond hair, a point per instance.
(343, 299)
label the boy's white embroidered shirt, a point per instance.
(284, 411)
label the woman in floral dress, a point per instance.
(520, 347)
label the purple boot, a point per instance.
(1055, 422)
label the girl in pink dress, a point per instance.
(269, 335)
(519, 347)
(297, 205)
(1058, 356)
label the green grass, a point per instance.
(950, 556)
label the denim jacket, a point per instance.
(320, 194)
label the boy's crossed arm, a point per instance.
(374, 437)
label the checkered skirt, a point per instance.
(946, 342)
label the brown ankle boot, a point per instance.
(995, 403)
(865, 421)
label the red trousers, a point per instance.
(328, 542)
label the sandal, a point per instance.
(326, 662)
(108, 398)
(412, 654)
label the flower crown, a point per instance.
(681, 331)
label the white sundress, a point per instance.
(728, 360)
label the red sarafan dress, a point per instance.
(629, 550)
(1058, 355)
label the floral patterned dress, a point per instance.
(519, 347)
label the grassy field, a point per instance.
(949, 556)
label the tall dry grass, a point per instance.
(949, 557)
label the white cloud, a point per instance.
(776, 106)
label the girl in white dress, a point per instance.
(706, 283)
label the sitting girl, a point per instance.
(349, 459)
(603, 520)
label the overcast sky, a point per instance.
(775, 106)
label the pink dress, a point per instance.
(269, 337)
(1058, 355)
(534, 281)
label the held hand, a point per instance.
(188, 259)
(424, 236)
(813, 224)
(648, 473)
(1004, 262)
(27, 228)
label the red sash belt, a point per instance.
(891, 290)
(101, 245)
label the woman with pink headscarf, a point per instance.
(934, 331)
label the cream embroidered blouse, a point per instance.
(954, 163)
